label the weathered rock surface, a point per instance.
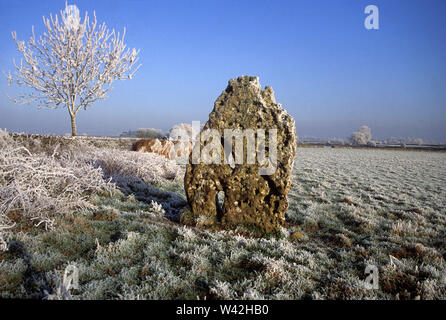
(170, 149)
(250, 198)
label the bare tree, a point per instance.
(73, 64)
(362, 136)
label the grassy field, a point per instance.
(349, 208)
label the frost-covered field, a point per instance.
(380, 207)
(348, 208)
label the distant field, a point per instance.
(349, 208)
(396, 147)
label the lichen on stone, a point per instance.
(250, 197)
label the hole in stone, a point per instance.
(219, 201)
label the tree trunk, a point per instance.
(73, 125)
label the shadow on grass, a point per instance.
(35, 282)
(171, 202)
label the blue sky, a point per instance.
(329, 72)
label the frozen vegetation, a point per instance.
(361, 137)
(114, 213)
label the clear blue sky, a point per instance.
(328, 71)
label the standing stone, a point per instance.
(251, 197)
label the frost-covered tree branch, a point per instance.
(73, 63)
(362, 136)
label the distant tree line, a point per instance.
(144, 133)
(179, 131)
(363, 137)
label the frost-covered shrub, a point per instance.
(181, 131)
(5, 139)
(42, 184)
(122, 165)
(39, 186)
